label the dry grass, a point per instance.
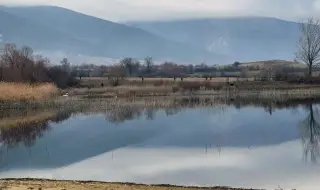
(16, 184)
(94, 82)
(165, 88)
(23, 91)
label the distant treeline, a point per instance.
(21, 65)
(147, 68)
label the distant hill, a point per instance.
(239, 39)
(212, 41)
(48, 27)
(273, 63)
(25, 32)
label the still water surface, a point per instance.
(249, 147)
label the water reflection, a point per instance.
(27, 134)
(29, 130)
(310, 132)
(182, 139)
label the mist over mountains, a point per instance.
(213, 41)
(243, 39)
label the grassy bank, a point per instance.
(25, 91)
(135, 87)
(15, 92)
(20, 184)
(186, 89)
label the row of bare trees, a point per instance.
(22, 65)
(127, 66)
(131, 65)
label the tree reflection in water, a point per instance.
(310, 126)
(310, 133)
(28, 133)
(123, 113)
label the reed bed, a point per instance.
(24, 91)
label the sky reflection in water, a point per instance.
(247, 147)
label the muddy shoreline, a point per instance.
(44, 184)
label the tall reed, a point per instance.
(24, 91)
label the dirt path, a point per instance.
(28, 184)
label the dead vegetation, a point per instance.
(23, 91)
(135, 87)
(16, 184)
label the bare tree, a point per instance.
(309, 44)
(116, 74)
(18, 62)
(65, 64)
(148, 63)
(26, 52)
(21, 65)
(129, 64)
(136, 65)
(236, 64)
(310, 133)
(10, 55)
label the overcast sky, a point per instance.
(122, 10)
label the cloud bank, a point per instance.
(124, 10)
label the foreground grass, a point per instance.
(19, 184)
(24, 91)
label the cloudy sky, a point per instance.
(122, 10)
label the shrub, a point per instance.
(190, 86)
(114, 81)
(61, 78)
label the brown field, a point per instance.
(94, 82)
(219, 79)
(134, 87)
(24, 184)
(270, 63)
(23, 91)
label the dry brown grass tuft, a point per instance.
(22, 91)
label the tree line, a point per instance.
(22, 65)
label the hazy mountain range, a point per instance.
(214, 41)
(243, 39)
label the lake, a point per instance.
(251, 146)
